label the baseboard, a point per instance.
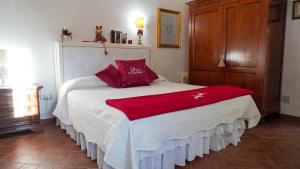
(289, 117)
(49, 121)
(269, 117)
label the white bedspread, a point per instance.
(121, 139)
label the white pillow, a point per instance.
(82, 82)
(161, 79)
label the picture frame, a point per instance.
(296, 10)
(168, 28)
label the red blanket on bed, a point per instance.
(146, 106)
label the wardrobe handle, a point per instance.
(222, 63)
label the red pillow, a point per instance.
(133, 73)
(111, 76)
(151, 74)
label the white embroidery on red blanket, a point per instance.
(198, 95)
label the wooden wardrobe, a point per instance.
(248, 37)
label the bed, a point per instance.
(157, 142)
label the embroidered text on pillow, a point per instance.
(135, 71)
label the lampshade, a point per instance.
(139, 23)
(3, 56)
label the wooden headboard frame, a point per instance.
(78, 59)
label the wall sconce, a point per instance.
(140, 24)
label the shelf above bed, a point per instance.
(100, 45)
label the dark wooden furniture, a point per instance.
(19, 109)
(248, 36)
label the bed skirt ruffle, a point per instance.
(172, 152)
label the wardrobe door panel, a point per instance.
(242, 25)
(205, 41)
(206, 78)
(246, 80)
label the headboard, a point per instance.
(78, 59)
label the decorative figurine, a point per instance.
(66, 34)
(100, 38)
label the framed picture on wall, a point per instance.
(296, 9)
(168, 28)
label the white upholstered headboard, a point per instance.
(78, 59)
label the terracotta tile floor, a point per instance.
(273, 145)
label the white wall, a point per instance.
(35, 24)
(291, 66)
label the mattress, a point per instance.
(122, 139)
